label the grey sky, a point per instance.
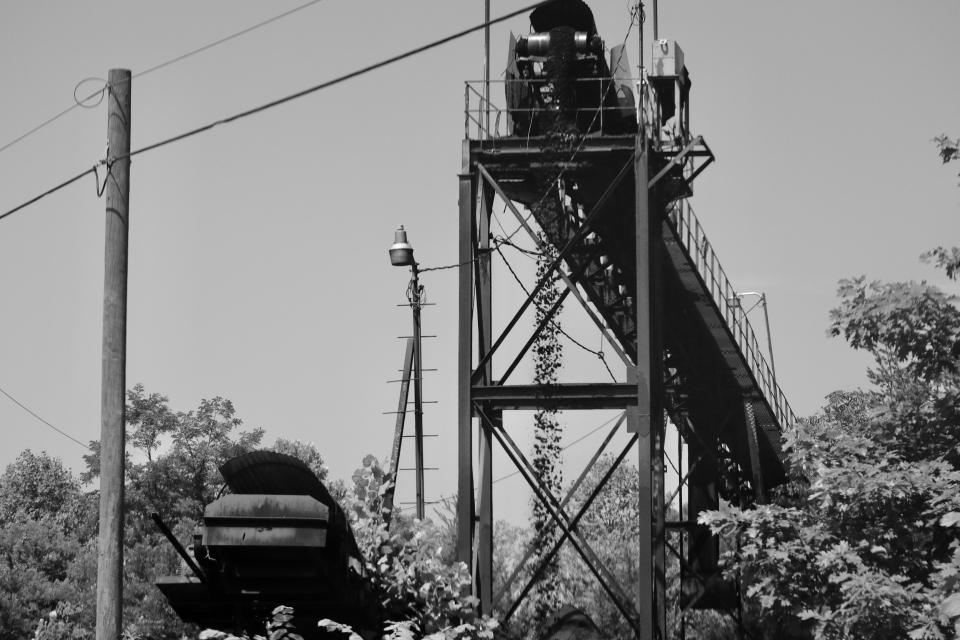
(258, 251)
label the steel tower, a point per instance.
(634, 256)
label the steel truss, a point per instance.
(617, 255)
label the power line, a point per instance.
(225, 39)
(335, 81)
(43, 124)
(31, 412)
(77, 102)
(295, 96)
(63, 184)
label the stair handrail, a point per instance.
(693, 239)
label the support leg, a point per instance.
(483, 574)
(465, 501)
(646, 420)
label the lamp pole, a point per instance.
(415, 297)
(766, 321)
(401, 255)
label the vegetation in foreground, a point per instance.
(863, 542)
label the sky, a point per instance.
(258, 251)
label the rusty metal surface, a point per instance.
(272, 472)
(261, 520)
(304, 509)
(279, 538)
(269, 472)
(260, 535)
(609, 395)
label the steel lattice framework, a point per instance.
(631, 252)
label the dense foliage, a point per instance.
(864, 540)
(47, 549)
(949, 148)
(48, 522)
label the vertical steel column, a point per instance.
(656, 26)
(646, 420)
(682, 537)
(702, 546)
(486, 70)
(483, 575)
(659, 528)
(465, 505)
(658, 417)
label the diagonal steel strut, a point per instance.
(570, 282)
(562, 520)
(548, 274)
(703, 583)
(573, 490)
(573, 523)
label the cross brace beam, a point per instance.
(601, 395)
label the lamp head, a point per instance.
(401, 252)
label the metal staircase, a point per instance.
(613, 209)
(599, 256)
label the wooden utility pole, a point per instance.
(415, 302)
(112, 435)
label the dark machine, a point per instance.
(558, 81)
(277, 538)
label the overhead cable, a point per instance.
(82, 102)
(299, 94)
(335, 81)
(63, 184)
(31, 412)
(215, 43)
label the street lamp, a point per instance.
(735, 302)
(401, 251)
(401, 255)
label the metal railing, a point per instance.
(690, 234)
(476, 119)
(662, 136)
(480, 111)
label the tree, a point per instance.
(949, 148)
(863, 541)
(36, 486)
(48, 524)
(612, 525)
(306, 453)
(47, 529)
(174, 457)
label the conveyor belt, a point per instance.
(708, 339)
